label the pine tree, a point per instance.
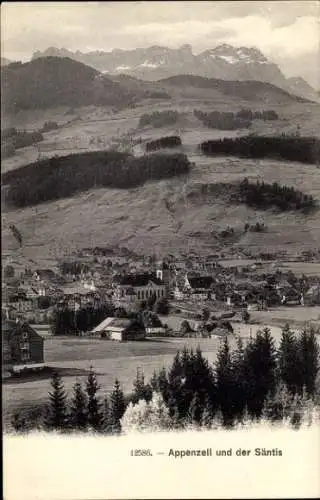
(107, 418)
(141, 390)
(56, 418)
(309, 359)
(163, 384)
(225, 383)
(117, 406)
(154, 382)
(95, 416)
(195, 409)
(237, 359)
(260, 363)
(78, 410)
(207, 414)
(277, 407)
(289, 361)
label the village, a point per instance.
(115, 294)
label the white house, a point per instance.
(120, 329)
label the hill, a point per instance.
(153, 63)
(172, 215)
(248, 90)
(53, 81)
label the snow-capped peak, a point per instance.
(234, 55)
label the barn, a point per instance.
(120, 329)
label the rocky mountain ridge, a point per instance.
(222, 62)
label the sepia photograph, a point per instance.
(160, 210)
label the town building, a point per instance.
(23, 347)
(121, 329)
(199, 288)
(138, 287)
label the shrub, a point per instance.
(143, 416)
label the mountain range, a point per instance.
(223, 62)
(50, 82)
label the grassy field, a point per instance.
(293, 315)
(108, 359)
(74, 357)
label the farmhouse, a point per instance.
(120, 329)
(140, 287)
(199, 288)
(22, 346)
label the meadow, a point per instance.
(109, 359)
(73, 357)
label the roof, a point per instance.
(45, 272)
(76, 290)
(117, 323)
(136, 280)
(11, 328)
(201, 282)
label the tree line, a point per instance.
(159, 119)
(263, 195)
(12, 139)
(59, 177)
(301, 149)
(66, 321)
(171, 141)
(250, 382)
(223, 120)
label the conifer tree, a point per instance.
(78, 409)
(56, 418)
(163, 384)
(175, 382)
(277, 407)
(207, 414)
(225, 383)
(237, 359)
(196, 409)
(107, 418)
(289, 361)
(117, 406)
(95, 416)
(309, 359)
(141, 390)
(154, 381)
(260, 365)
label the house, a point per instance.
(140, 287)
(120, 329)
(44, 275)
(199, 287)
(23, 347)
(312, 296)
(153, 325)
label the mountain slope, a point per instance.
(153, 63)
(298, 86)
(53, 81)
(172, 215)
(249, 90)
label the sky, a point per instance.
(287, 32)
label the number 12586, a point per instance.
(140, 453)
